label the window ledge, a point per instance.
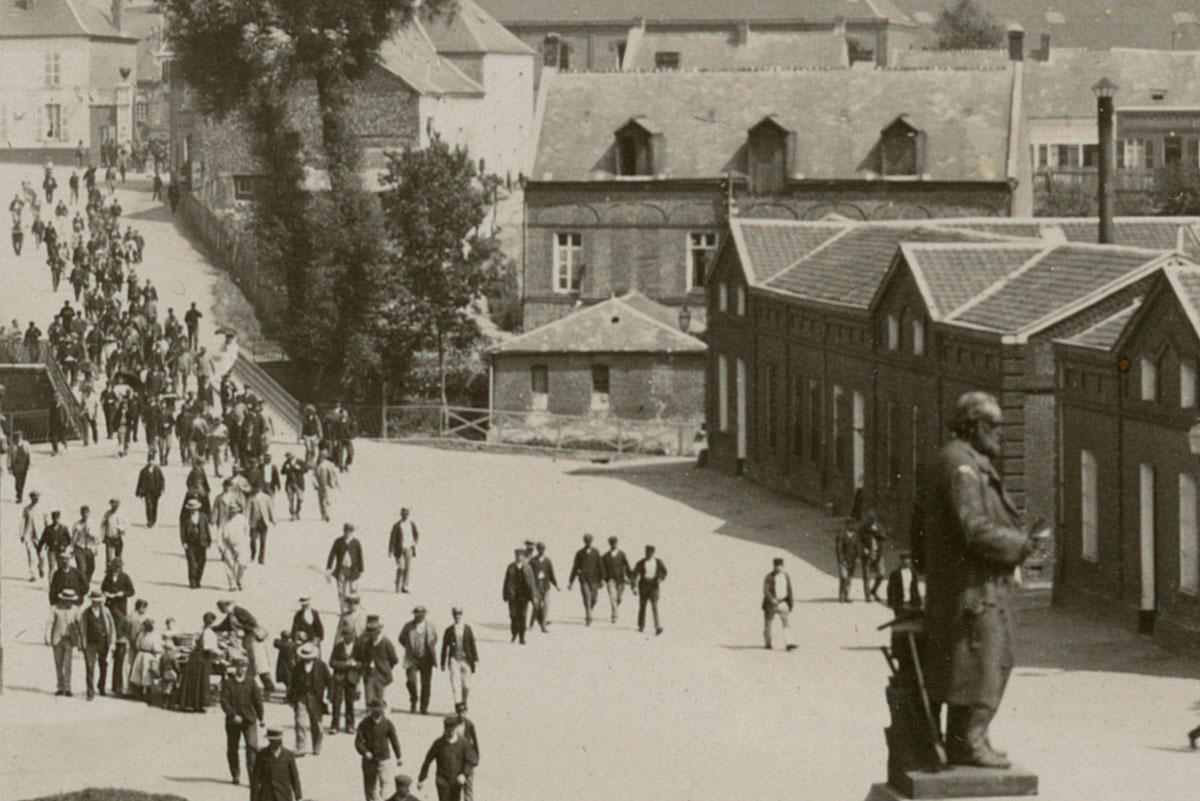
(1091, 560)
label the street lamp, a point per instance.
(1104, 91)
(685, 319)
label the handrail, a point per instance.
(62, 389)
(267, 388)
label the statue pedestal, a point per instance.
(957, 782)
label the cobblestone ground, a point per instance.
(580, 713)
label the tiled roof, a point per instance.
(1104, 334)
(470, 29)
(849, 269)
(1078, 23)
(411, 56)
(1061, 87)
(951, 59)
(1186, 283)
(1061, 277)
(55, 18)
(1156, 233)
(951, 275)
(769, 247)
(717, 49)
(631, 323)
(837, 116)
(580, 11)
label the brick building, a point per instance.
(837, 350)
(69, 72)
(1127, 390)
(626, 357)
(630, 186)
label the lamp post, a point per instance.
(1104, 91)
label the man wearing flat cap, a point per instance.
(455, 758)
(377, 743)
(112, 530)
(543, 574)
(56, 538)
(275, 776)
(306, 621)
(459, 656)
(345, 562)
(97, 634)
(419, 640)
(588, 567)
(242, 703)
(402, 546)
(520, 589)
(970, 538)
(403, 783)
(307, 686)
(33, 523)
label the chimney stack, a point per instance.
(118, 7)
(1044, 51)
(743, 32)
(1016, 42)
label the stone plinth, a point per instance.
(958, 782)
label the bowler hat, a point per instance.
(403, 782)
(376, 704)
(96, 595)
(450, 721)
(274, 734)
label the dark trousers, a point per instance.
(342, 694)
(113, 550)
(96, 656)
(295, 501)
(118, 665)
(845, 576)
(19, 480)
(425, 673)
(151, 510)
(18, 239)
(197, 558)
(234, 733)
(85, 560)
(258, 543)
(648, 595)
(516, 618)
(448, 789)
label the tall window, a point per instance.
(1187, 385)
(770, 402)
(814, 419)
(555, 52)
(599, 387)
(539, 387)
(918, 336)
(722, 392)
(1189, 579)
(141, 112)
(835, 427)
(797, 415)
(166, 73)
(1089, 500)
(889, 442)
(53, 69)
(568, 262)
(701, 249)
(1138, 154)
(739, 300)
(893, 332)
(52, 121)
(723, 297)
(1149, 374)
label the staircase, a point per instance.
(285, 409)
(62, 389)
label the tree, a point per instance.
(434, 204)
(1176, 190)
(966, 26)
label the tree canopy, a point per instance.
(966, 26)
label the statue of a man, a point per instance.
(972, 540)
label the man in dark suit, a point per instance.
(846, 550)
(242, 703)
(520, 589)
(344, 686)
(777, 602)
(307, 686)
(377, 657)
(196, 536)
(402, 546)
(649, 574)
(98, 633)
(68, 577)
(418, 638)
(903, 590)
(456, 760)
(589, 569)
(275, 776)
(543, 574)
(616, 575)
(345, 562)
(377, 743)
(459, 656)
(150, 487)
(306, 621)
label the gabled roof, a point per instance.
(631, 323)
(951, 275)
(583, 11)
(768, 247)
(47, 18)
(1078, 23)
(1185, 280)
(410, 56)
(848, 269)
(717, 49)
(470, 29)
(1104, 334)
(1054, 284)
(1156, 233)
(837, 114)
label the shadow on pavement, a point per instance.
(747, 511)
(160, 214)
(198, 780)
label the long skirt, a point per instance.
(194, 686)
(145, 669)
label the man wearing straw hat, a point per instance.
(306, 689)
(62, 634)
(275, 776)
(196, 536)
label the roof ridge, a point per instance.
(914, 265)
(553, 323)
(823, 246)
(996, 286)
(1182, 294)
(1074, 339)
(675, 330)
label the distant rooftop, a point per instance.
(46, 18)
(625, 11)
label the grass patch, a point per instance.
(109, 794)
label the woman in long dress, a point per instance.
(145, 665)
(194, 686)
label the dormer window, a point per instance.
(666, 60)
(639, 148)
(901, 150)
(1158, 94)
(770, 145)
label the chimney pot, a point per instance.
(1016, 42)
(1044, 51)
